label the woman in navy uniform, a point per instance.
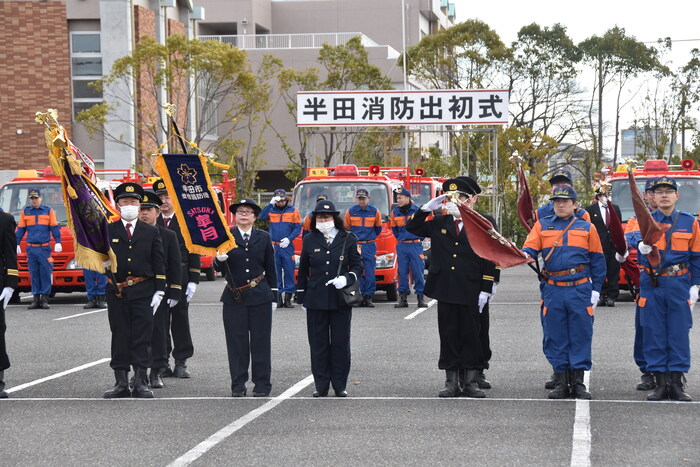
(462, 283)
(139, 289)
(248, 301)
(327, 322)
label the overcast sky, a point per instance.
(645, 20)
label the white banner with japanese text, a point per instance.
(395, 108)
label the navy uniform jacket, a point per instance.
(171, 252)
(319, 264)
(140, 256)
(194, 263)
(8, 249)
(247, 263)
(597, 220)
(456, 274)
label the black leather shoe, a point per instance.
(647, 382)
(481, 381)
(35, 303)
(155, 380)
(166, 372)
(550, 383)
(318, 393)
(90, 305)
(368, 301)
(342, 393)
(601, 302)
(4, 394)
(238, 393)
(260, 394)
(121, 387)
(609, 301)
(180, 370)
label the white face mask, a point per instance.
(325, 227)
(129, 213)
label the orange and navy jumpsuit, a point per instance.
(409, 250)
(366, 224)
(284, 223)
(575, 268)
(665, 316)
(638, 351)
(39, 224)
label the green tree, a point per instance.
(544, 93)
(208, 74)
(468, 55)
(342, 67)
(616, 57)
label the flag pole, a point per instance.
(170, 111)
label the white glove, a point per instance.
(303, 308)
(189, 292)
(339, 282)
(433, 204)
(274, 306)
(107, 263)
(275, 199)
(7, 292)
(222, 257)
(452, 208)
(172, 302)
(620, 258)
(693, 296)
(19, 250)
(284, 243)
(493, 289)
(483, 300)
(644, 248)
(155, 301)
(594, 298)
(58, 248)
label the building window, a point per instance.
(86, 67)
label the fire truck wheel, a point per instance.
(391, 293)
(210, 273)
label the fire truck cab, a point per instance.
(340, 184)
(687, 177)
(67, 275)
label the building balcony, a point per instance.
(290, 41)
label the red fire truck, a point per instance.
(687, 177)
(340, 184)
(67, 276)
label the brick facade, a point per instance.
(179, 98)
(145, 26)
(31, 81)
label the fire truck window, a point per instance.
(688, 201)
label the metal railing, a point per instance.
(290, 41)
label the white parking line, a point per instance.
(421, 310)
(199, 450)
(57, 375)
(81, 314)
(581, 440)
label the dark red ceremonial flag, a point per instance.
(526, 209)
(617, 233)
(488, 243)
(651, 231)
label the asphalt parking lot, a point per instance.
(60, 367)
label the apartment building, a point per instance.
(54, 48)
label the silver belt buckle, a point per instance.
(129, 282)
(572, 271)
(676, 267)
(253, 283)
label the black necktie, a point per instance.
(329, 239)
(128, 231)
(245, 239)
